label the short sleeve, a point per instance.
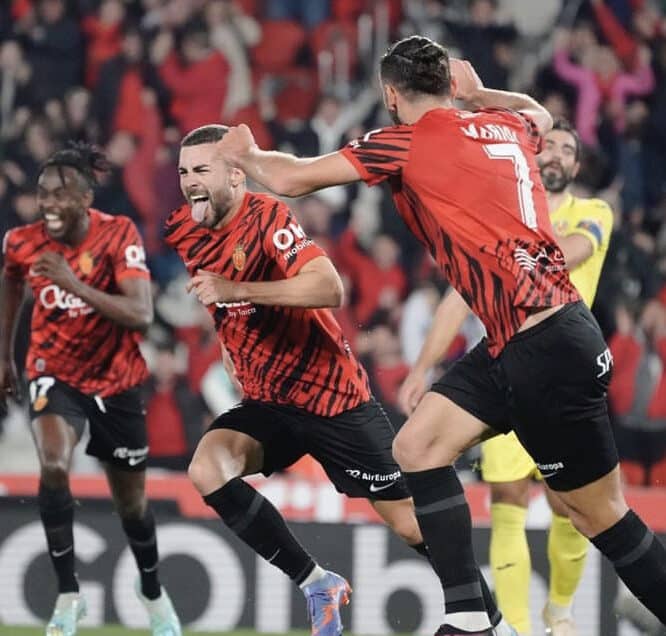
(12, 265)
(129, 259)
(380, 153)
(286, 243)
(595, 223)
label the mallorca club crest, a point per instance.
(239, 258)
(86, 263)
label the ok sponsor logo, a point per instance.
(284, 238)
(52, 297)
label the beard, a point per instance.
(555, 178)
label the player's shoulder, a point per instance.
(104, 219)
(24, 235)
(592, 206)
(266, 209)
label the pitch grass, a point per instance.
(7, 630)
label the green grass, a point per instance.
(6, 630)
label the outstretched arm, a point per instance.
(470, 89)
(316, 285)
(282, 173)
(446, 324)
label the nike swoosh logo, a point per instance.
(133, 461)
(59, 553)
(546, 475)
(376, 488)
(149, 570)
(505, 567)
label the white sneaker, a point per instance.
(69, 609)
(558, 626)
(163, 618)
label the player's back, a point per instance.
(467, 184)
(69, 339)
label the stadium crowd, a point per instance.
(134, 76)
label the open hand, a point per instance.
(210, 288)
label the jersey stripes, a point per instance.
(284, 355)
(69, 340)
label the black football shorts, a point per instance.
(117, 423)
(549, 385)
(354, 447)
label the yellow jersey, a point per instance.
(593, 219)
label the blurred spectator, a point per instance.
(196, 76)
(486, 41)
(16, 85)
(55, 49)
(305, 11)
(233, 33)
(175, 415)
(637, 392)
(603, 88)
(386, 368)
(104, 32)
(379, 281)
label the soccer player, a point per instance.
(269, 289)
(583, 227)
(467, 184)
(88, 275)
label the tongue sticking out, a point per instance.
(199, 210)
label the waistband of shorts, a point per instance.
(546, 323)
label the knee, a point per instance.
(511, 493)
(131, 505)
(591, 522)
(206, 475)
(407, 453)
(54, 472)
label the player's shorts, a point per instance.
(503, 459)
(117, 423)
(548, 384)
(353, 447)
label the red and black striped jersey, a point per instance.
(69, 340)
(282, 355)
(468, 186)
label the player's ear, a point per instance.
(453, 90)
(87, 197)
(236, 177)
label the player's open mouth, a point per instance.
(199, 203)
(53, 222)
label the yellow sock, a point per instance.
(567, 549)
(510, 563)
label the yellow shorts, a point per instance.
(503, 459)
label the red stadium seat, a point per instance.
(281, 40)
(298, 96)
(633, 473)
(658, 474)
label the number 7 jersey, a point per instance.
(468, 186)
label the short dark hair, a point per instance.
(204, 135)
(567, 126)
(83, 157)
(417, 65)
